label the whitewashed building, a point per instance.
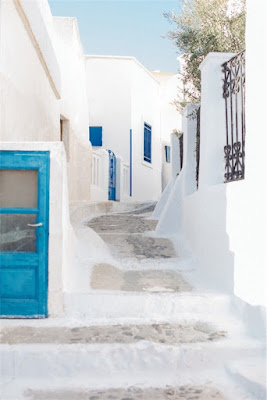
(131, 113)
(50, 95)
(45, 157)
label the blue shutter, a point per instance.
(147, 142)
(95, 134)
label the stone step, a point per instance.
(140, 306)
(186, 392)
(107, 277)
(83, 211)
(169, 334)
(136, 360)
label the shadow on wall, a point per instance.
(197, 216)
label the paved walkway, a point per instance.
(187, 392)
(143, 267)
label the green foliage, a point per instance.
(205, 26)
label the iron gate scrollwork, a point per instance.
(234, 95)
(181, 147)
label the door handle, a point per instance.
(35, 225)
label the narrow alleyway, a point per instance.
(169, 340)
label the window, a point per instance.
(168, 154)
(65, 135)
(147, 142)
(95, 135)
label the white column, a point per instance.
(212, 124)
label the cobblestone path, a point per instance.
(187, 392)
(144, 270)
(171, 334)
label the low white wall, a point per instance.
(217, 221)
(100, 175)
(175, 170)
(166, 171)
(61, 236)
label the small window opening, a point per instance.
(64, 135)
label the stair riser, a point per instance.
(128, 364)
(145, 306)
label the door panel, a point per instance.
(24, 212)
(16, 235)
(18, 188)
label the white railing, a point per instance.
(99, 175)
(95, 169)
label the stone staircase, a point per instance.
(136, 327)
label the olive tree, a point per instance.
(201, 27)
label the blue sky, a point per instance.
(125, 28)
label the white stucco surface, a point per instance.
(216, 223)
(28, 105)
(74, 108)
(37, 18)
(51, 62)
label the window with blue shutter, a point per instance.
(95, 135)
(147, 142)
(168, 154)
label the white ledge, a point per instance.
(220, 57)
(125, 58)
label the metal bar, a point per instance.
(131, 162)
(232, 125)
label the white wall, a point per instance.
(123, 95)
(74, 107)
(51, 64)
(42, 79)
(145, 107)
(222, 224)
(109, 101)
(170, 90)
(61, 236)
(100, 175)
(29, 107)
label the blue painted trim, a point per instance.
(14, 259)
(131, 162)
(18, 210)
(147, 143)
(37, 308)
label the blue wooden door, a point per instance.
(24, 212)
(112, 176)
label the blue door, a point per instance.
(112, 176)
(24, 211)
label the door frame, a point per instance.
(29, 160)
